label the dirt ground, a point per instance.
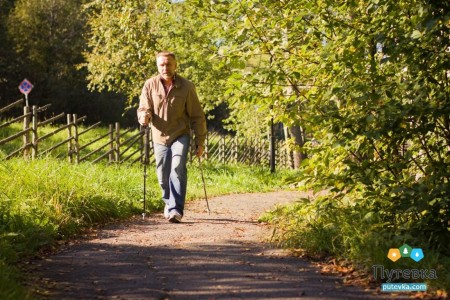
(224, 255)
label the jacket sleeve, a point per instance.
(144, 111)
(196, 116)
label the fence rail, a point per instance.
(116, 145)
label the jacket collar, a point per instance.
(176, 80)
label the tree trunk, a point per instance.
(298, 135)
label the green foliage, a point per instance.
(43, 30)
(262, 44)
(47, 43)
(126, 35)
(55, 199)
(352, 233)
(9, 283)
(233, 178)
(382, 136)
(371, 85)
(5, 51)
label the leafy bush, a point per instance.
(351, 231)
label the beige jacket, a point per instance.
(174, 114)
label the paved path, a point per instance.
(217, 256)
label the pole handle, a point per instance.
(146, 157)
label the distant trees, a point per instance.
(44, 41)
(47, 36)
(6, 53)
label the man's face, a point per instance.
(166, 66)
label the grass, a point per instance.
(48, 199)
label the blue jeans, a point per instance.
(172, 172)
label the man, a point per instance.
(170, 103)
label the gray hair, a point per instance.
(166, 54)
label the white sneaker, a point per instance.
(166, 211)
(175, 217)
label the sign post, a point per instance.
(25, 88)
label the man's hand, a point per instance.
(144, 119)
(199, 151)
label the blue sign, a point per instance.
(25, 87)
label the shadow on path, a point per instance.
(220, 271)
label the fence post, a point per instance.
(26, 136)
(287, 155)
(259, 150)
(117, 142)
(76, 145)
(253, 151)
(34, 136)
(236, 149)
(69, 138)
(112, 148)
(222, 148)
(207, 145)
(272, 147)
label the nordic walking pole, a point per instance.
(204, 185)
(145, 162)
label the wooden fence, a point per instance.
(116, 145)
(253, 151)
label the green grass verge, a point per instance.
(46, 200)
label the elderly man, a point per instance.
(170, 103)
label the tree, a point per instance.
(369, 80)
(381, 114)
(47, 36)
(6, 55)
(126, 35)
(261, 43)
(47, 40)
